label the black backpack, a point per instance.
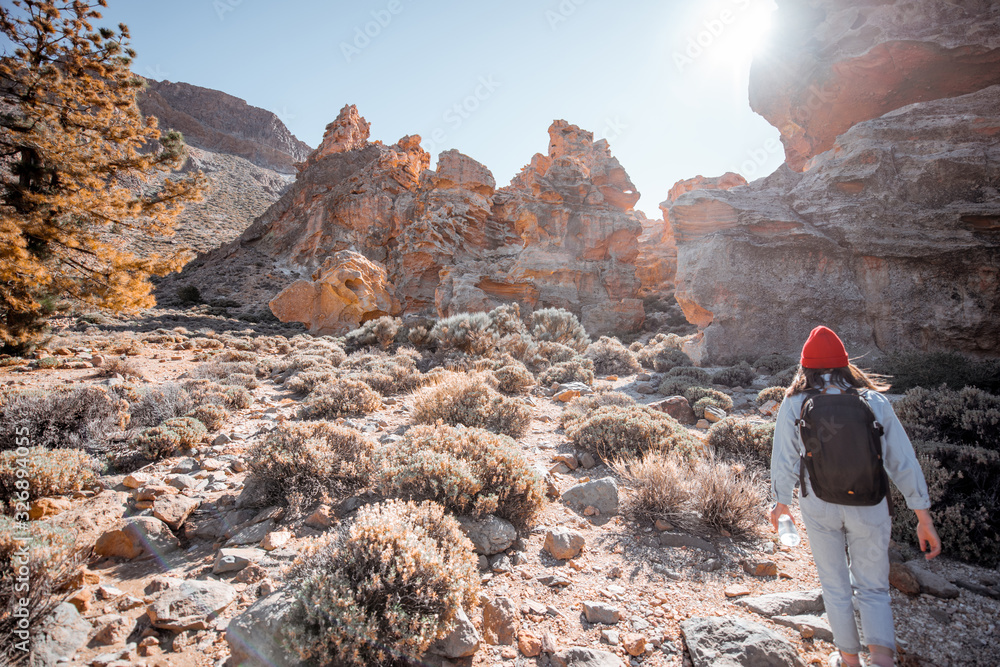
(843, 449)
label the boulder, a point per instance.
(733, 642)
(677, 407)
(601, 494)
(564, 543)
(902, 579)
(174, 510)
(489, 535)
(192, 605)
(137, 536)
(500, 621)
(794, 603)
(810, 627)
(585, 657)
(59, 636)
(253, 636)
(461, 642)
(234, 560)
(46, 507)
(931, 582)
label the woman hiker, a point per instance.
(849, 530)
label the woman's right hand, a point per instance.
(927, 536)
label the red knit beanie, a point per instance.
(824, 350)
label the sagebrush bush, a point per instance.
(83, 418)
(774, 362)
(297, 463)
(557, 325)
(154, 405)
(613, 431)
(965, 506)
(701, 397)
(907, 370)
(514, 378)
(506, 320)
(770, 394)
(382, 332)
(575, 370)
(341, 398)
(211, 415)
(117, 366)
(233, 397)
(967, 416)
(220, 370)
(388, 375)
(659, 483)
(783, 378)
(662, 353)
(49, 472)
(582, 406)
(169, 437)
(53, 558)
(471, 401)
(304, 382)
(468, 470)
(468, 332)
(698, 375)
(676, 385)
(740, 375)
(610, 357)
(728, 496)
(382, 592)
(541, 355)
(741, 439)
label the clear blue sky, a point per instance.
(633, 72)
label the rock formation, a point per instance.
(562, 234)
(834, 63)
(891, 235)
(221, 123)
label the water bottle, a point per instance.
(787, 533)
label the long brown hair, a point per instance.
(849, 375)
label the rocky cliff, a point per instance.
(221, 123)
(562, 234)
(885, 221)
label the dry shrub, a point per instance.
(244, 380)
(610, 357)
(612, 432)
(382, 592)
(774, 362)
(386, 374)
(304, 382)
(784, 378)
(557, 325)
(53, 558)
(740, 375)
(168, 438)
(582, 406)
(301, 462)
(48, 472)
(341, 398)
(471, 333)
(84, 418)
(155, 405)
(776, 394)
(543, 354)
(238, 355)
(118, 366)
(967, 416)
(662, 353)
(381, 332)
(676, 385)
(699, 375)
(728, 496)
(702, 397)
(211, 415)
(514, 378)
(659, 483)
(220, 370)
(234, 398)
(742, 439)
(468, 470)
(576, 370)
(932, 369)
(471, 401)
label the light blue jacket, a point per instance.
(897, 452)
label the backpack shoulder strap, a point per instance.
(799, 423)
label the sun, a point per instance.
(730, 32)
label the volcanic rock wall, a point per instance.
(885, 221)
(562, 234)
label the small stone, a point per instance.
(191, 605)
(601, 612)
(46, 507)
(233, 560)
(136, 480)
(461, 642)
(634, 643)
(568, 459)
(736, 591)
(559, 469)
(662, 525)
(528, 643)
(769, 408)
(153, 491)
(135, 537)
(150, 646)
(114, 629)
(702, 424)
(714, 414)
(128, 602)
(553, 580)
(212, 465)
(276, 539)
(106, 592)
(81, 599)
(931, 582)
(763, 568)
(251, 574)
(489, 535)
(185, 466)
(587, 460)
(644, 388)
(563, 543)
(677, 407)
(221, 439)
(611, 637)
(532, 607)
(902, 579)
(808, 626)
(602, 494)
(174, 510)
(322, 518)
(567, 395)
(500, 622)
